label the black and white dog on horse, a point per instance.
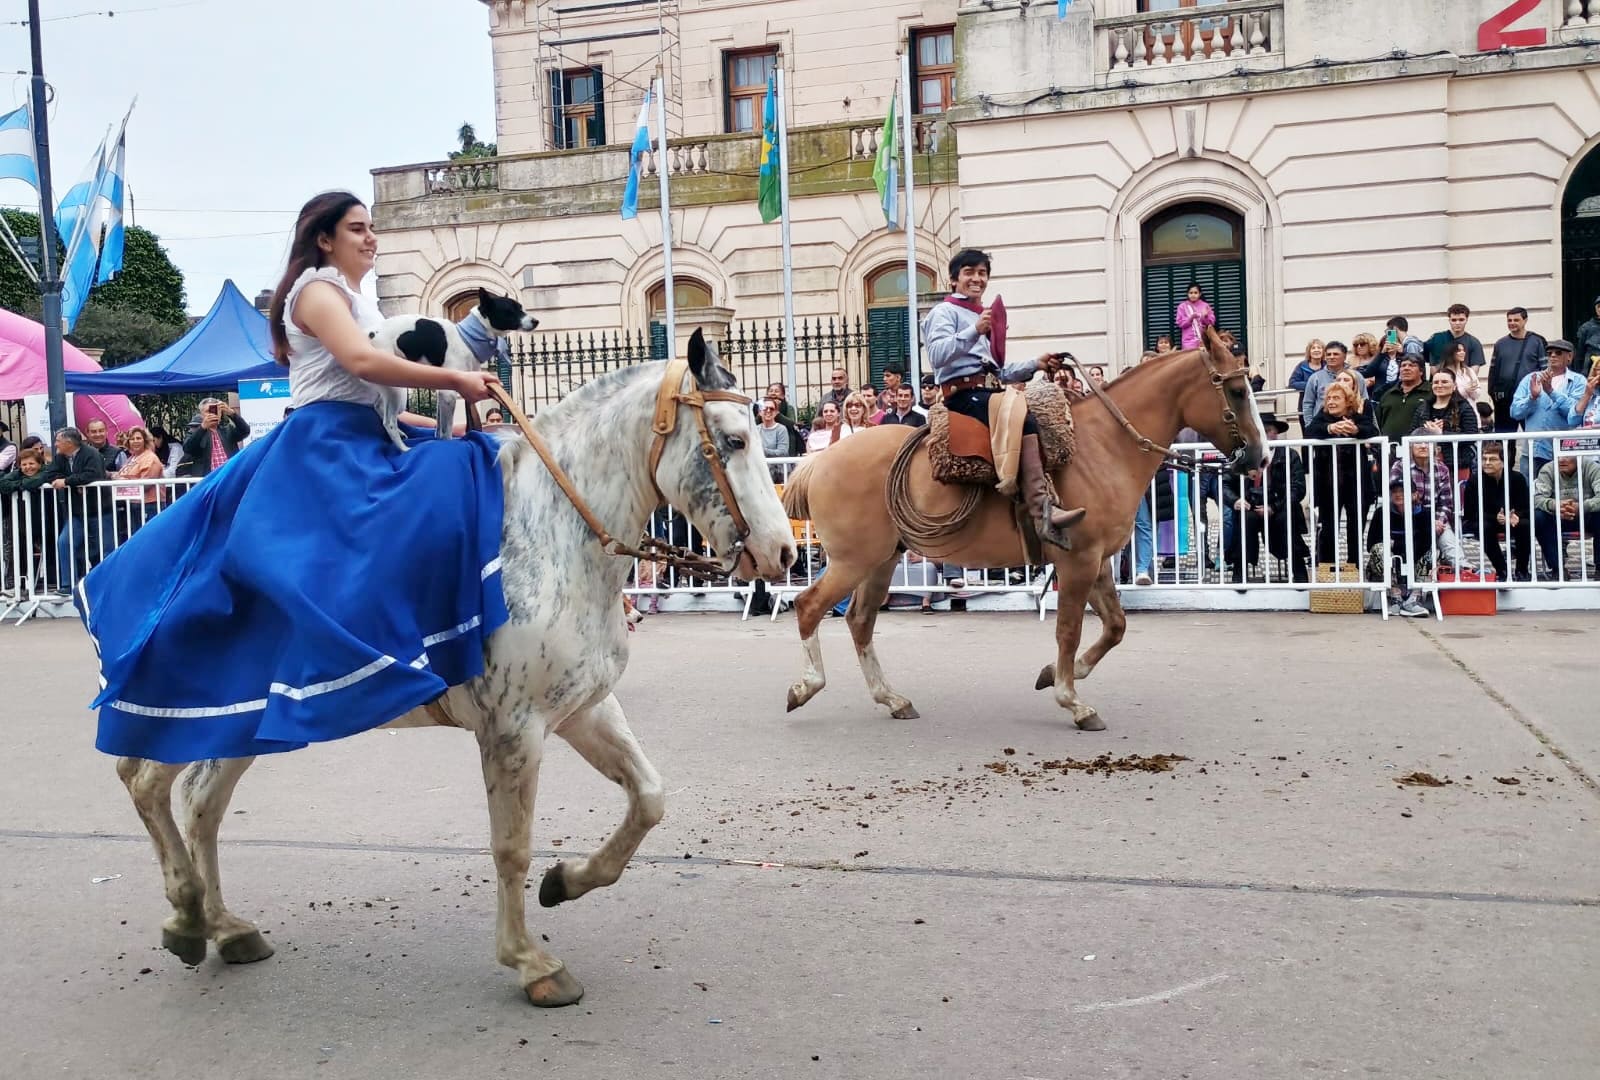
(464, 346)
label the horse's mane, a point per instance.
(581, 402)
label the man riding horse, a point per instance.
(965, 343)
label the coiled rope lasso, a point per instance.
(918, 529)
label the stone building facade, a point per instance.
(1319, 167)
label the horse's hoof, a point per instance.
(1090, 721)
(247, 948)
(191, 950)
(795, 700)
(907, 711)
(555, 990)
(553, 889)
(1046, 679)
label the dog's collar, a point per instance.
(475, 335)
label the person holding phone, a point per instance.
(215, 434)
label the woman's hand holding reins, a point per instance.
(474, 385)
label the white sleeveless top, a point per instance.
(314, 374)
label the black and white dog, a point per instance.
(464, 346)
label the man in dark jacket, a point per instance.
(87, 512)
(1269, 502)
(1486, 511)
(214, 437)
(1516, 356)
(1587, 340)
(1397, 409)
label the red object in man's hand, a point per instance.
(997, 331)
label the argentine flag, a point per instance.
(16, 148)
(109, 212)
(641, 143)
(73, 209)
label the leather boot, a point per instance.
(1052, 520)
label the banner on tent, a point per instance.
(261, 404)
(37, 409)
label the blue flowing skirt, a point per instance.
(319, 584)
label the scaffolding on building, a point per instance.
(566, 30)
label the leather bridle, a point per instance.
(669, 398)
(1219, 383)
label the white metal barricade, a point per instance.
(53, 536)
(1500, 534)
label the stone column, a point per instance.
(713, 321)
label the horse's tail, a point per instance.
(796, 492)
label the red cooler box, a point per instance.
(1466, 601)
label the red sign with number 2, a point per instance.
(1493, 34)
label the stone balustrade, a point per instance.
(705, 170)
(1245, 33)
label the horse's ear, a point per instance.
(699, 356)
(1220, 354)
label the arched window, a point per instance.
(1194, 243)
(888, 285)
(888, 331)
(1193, 231)
(457, 307)
(686, 293)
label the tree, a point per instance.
(125, 334)
(149, 283)
(467, 136)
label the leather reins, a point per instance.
(669, 397)
(1219, 380)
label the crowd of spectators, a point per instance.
(67, 504)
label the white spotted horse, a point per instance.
(621, 451)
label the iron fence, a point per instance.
(541, 369)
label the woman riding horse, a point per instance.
(965, 347)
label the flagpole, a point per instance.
(789, 376)
(49, 282)
(666, 215)
(913, 353)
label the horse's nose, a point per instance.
(786, 557)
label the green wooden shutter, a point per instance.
(658, 341)
(1223, 284)
(597, 122)
(886, 341)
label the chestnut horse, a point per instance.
(843, 492)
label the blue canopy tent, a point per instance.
(229, 345)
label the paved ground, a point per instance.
(1276, 906)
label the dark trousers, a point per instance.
(1273, 527)
(1502, 414)
(1332, 505)
(1521, 537)
(1548, 528)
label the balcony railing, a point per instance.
(1577, 18)
(705, 169)
(1245, 33)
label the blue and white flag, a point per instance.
(641, 144)
(109, 210)
(1061, 8)
(16, 147)
(73, 210)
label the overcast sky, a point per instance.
(248, 109)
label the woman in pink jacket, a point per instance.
(1193, 316)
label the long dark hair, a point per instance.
(318, 218)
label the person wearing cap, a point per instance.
(965, 343)
(1397, 409)
(1544, 401)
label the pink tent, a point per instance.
(22, 373)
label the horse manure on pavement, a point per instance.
(1423, 779)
